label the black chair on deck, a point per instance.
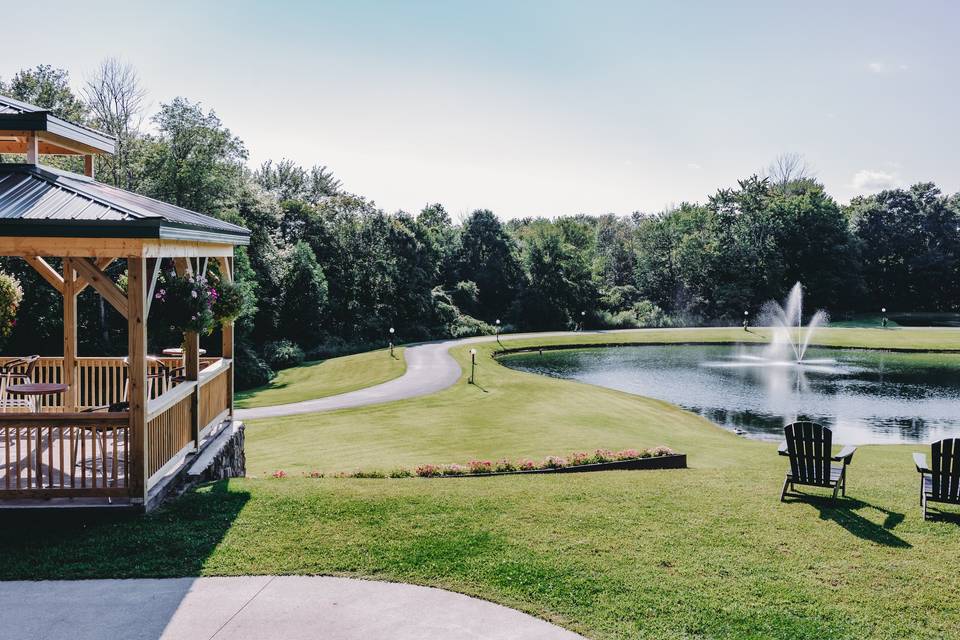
(809, 445)
(941, 482)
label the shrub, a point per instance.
(313, 474)
(603, 455)
(11, 294)
(401, 473)
(661, 451)
(454, 470)
(554, 462)
(428, 471)
(465, 326)
(251, 371)
(580, 458)
(505, 465)
(480, 466)
(282, 354)
(375, 473)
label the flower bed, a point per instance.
(599, 460)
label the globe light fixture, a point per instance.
(473, 366)
(391, 341)
(498, 333)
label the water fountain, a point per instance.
(790, 338)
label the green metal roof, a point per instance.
(40, 201)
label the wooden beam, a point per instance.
(70, 334)
(102, 264)
(103, 284)
(137, 375)
(88, 169)
(153, 272)
(183, 266)
(18, 246)
(46, 271)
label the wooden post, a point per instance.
(137, 372)
(33, 148)
(69, 335)
(88, 169)
(191, 361)
(226, 270)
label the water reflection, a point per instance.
(864, 396)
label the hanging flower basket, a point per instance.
(229, 301)
(185, 303)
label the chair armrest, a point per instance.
(782, 449)
(846, 455)
(920, 459)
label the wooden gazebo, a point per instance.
(121, 429)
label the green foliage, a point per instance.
(305, 297)
(282, 354)
(11, 294)
(193, 161)
(487, 255)
(49, 88)
(909, 244)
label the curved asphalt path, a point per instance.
(430, 368)
(258, 608)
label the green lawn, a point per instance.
(326, 378)
(706, 552)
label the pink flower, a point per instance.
(279, 474)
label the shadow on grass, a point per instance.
(174, 541)
(844, 513)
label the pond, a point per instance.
(865, 396)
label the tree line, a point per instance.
(330, 272)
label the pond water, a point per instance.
(864, 396)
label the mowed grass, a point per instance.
(326, 378)
(706, 552)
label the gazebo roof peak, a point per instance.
(22, 123)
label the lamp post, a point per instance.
(746, 322)
(391, 341)
(583, 319)
(883, 320)
(473, 366)
(498, 334)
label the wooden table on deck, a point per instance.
(37, 390)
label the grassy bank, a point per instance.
(326, 378)
(706, 552)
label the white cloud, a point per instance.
(885, 67)
(867, 180)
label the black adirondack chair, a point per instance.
(809, 445)
(941, 482)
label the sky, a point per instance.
(542, 108)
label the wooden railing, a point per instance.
(69, 454)
(103, 381)
(55, 454)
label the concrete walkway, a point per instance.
(430, 368)
(260, 607)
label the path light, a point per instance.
(883, 320)
(583, 319)
(746, 315)
(498, 334)
(473, 366)
(391, 341)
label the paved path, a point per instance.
(430, 368)
(259, 607)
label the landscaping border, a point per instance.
(671, 461)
